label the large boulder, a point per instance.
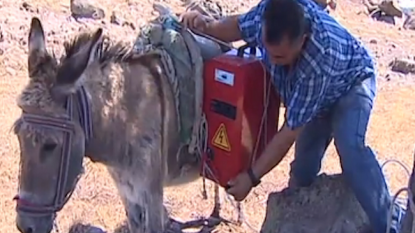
(328, 206)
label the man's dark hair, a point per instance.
(284, 18)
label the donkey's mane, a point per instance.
(110, 50)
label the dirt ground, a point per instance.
(95, 200)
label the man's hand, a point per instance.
(194, 20)
(240, 186)
(225, 29)
(271, 157)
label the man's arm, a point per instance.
(275, 151)
(238, 27)
(301, 109)
(226, 29)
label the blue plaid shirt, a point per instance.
(331, 63)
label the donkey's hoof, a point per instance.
(85, 228)
(173, 231)
(174, 226)
(94, 229)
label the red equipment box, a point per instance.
(235, 88)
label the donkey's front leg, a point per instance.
(146, 214)
(142, 196)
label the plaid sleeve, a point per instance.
(250, 23)
(309, 91)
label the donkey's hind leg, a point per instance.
(217, 203)
(215, 217)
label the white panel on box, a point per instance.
(225, 77)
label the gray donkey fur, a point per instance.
(135, 130)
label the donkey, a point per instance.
(102, 101)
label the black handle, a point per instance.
(241, 50)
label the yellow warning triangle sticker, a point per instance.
(220, 139)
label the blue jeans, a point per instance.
(346, 123)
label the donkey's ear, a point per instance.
(36, 37)
(36, 42)
(73, 68)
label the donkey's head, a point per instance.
(53, 127)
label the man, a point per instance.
(327, 81)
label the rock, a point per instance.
(27, 7)
(409, 22)
(207, 7)
(371, 5)
(403, 65)
(85, 228)
(385, 7)
(11, 71)
(22, 41)
(391, 8)
(382, 17)
(115, 19)
(328, 206)
(1, 35)
(129, 24)
(82, 9)
(325, 4)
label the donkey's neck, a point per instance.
(125, 112)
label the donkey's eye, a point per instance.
(49, 147)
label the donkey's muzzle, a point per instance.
(34, 224)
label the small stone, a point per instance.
(81, 9)
(129, 24)
(379, 16)
(85, 228)
(10, 71)
(27, 7)
(115, 19)
(22, 41)
(93, 229)
(22, 28)
(403, 65)
(409, 22)
(389, 8)
(98, 14)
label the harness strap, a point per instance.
(67, 125)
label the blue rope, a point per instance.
(173, 23)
